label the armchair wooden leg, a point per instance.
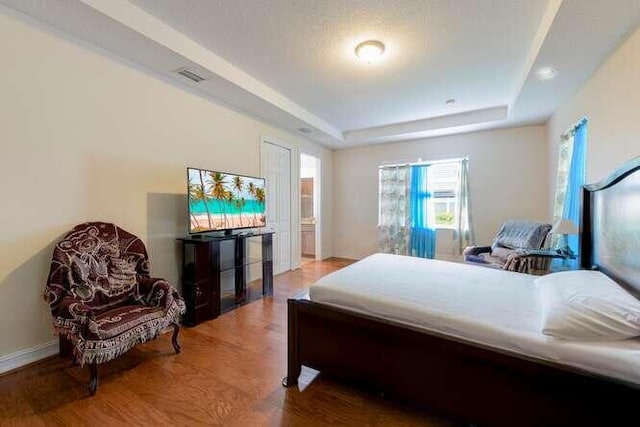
(93, 379)
(174, 338)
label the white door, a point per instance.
(276, 168)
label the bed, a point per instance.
(466, 354)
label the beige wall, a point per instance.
(85, 137)
(611, 102)
(507, 178)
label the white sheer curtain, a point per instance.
(393, 221)
(463, 233)
(565, 152)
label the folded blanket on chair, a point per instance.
(476, 258)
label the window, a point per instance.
(417, 198)
(444, 183)
(570, 177)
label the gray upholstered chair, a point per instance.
(507, 250)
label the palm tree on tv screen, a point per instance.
(218, 191)
(201, 194)
(241, 203)
(252, 193)
(237, 186)
(260, 197)
(228, 197)
(195, 193)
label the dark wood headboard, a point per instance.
(610, 226)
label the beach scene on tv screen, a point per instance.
(219, 201)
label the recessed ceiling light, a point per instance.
(450, 102)
(546, 73)
(370, 51)
(304, 130)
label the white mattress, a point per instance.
(492, 307)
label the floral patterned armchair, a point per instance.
(102, 298)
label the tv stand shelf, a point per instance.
(229, 265)
(220, 273)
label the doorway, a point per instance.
(276, 168)
(309, 208)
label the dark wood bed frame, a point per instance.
(478, 384)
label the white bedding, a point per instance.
(491, 307)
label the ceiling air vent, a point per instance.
(185, 72)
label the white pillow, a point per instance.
(586, 305)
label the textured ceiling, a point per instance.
(291, 63)
(436, 49)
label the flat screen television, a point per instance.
(223, 201)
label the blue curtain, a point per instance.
(577, 178)
(422, 240)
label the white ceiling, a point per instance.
(291, 63)
(435, 50)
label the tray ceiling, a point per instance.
(292, 63)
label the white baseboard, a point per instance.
(28, 355)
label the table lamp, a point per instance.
(565, 227)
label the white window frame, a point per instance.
(430, 208)
(448, 200)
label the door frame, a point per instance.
(294, 178)
(317, 201)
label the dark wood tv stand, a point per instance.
(220, 273)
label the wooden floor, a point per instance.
(228, 373)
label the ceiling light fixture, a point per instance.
(370, 51)
(450, 102)
(304, 130)
(546, 73)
